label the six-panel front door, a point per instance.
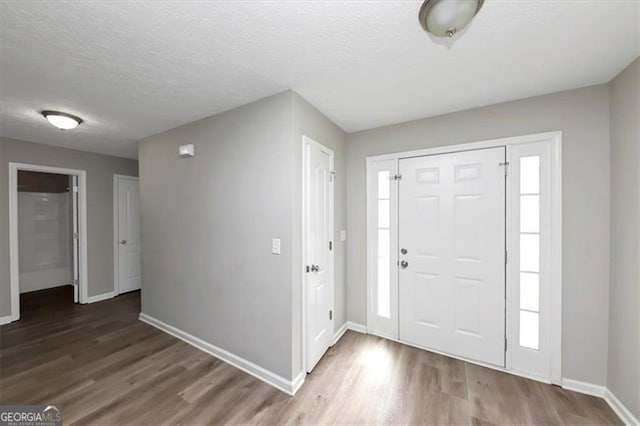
(128, 231)
(318, 235)
(452, 253)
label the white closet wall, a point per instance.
(44, 237)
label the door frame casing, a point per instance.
(116, 237)
(14, 263)
(307, 142)
(555, 276)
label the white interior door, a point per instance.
(452, 275)
(75, 239)
(318, 193)
(128, 232)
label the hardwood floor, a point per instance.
(103, 366)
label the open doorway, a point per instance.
(47, 234)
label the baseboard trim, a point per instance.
(101, 297)
(5, 320)
(297, 383)
(618, 407)
(584, 387)
(287, 386)
(602, 392)
(358, 328)
(338, 334)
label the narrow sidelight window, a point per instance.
(530, 252)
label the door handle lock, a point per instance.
(315, 268)
(404, 264)
(123, 241)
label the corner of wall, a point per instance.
(623, 349)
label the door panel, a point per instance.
(452, 224)
(128, 235)
(318, 234)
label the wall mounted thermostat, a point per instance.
(186, 151)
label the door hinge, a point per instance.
(308, 269)
(75, 282)
(505, 344)
(506, 167)
(332, 176)
(330, 245)
(331, 315)
(75, 189)
(397, 177)
(506, 257)
(75, 235)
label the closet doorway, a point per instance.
(47, 220)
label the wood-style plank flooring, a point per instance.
(103, 366)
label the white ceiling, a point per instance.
(133, 69)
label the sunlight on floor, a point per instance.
(378, 364)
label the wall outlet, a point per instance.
(275, 246)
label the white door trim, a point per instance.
(307, 141)
(14, 264)
(116, 205)
(76, 242)
(555, 139)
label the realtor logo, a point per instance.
(30, 415)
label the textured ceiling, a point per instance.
(133, 69)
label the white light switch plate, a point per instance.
(275, 246)
(343, 235)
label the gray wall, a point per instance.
(207, 225)
(307, 120)
(624, 311)
(100, 170)
(583, 117)
(208, 269)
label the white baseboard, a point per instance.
(338, 334)
(602, 392)
(287, 386)
(5, 320)
(618, 407)
(359, 328)
(101, 297)
(297, 382)
(584, 387)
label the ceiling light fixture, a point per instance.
(62, 120)
(444, 18)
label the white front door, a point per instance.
(318, 193)
(452, 253)
(128, 232)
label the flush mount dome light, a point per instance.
(62, 120)
(444, 18)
